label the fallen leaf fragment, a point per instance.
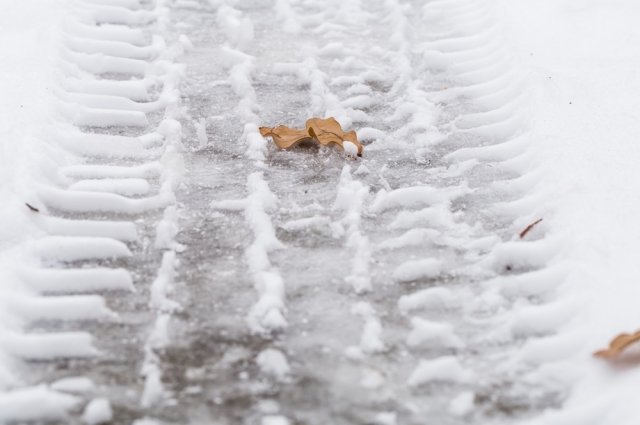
(324, 131)
(31, 207)
(529, 228)
(285, 137)
(618, 345)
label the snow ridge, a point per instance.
(267, 317)
(467, 44)
(268, 314)
(350, 198)
(96, 42)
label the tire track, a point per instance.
(422, 228)
(97, 217)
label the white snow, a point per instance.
(351, 198)
(29, 40)
(553, 91)
(430, 298)
(163, 285)
(371, 339)
(386, 418)
(35, 404)
(463, 404)
(580, 62)
(98, 411)
(77, 280)
(275, 420)
(350, 149)
(51, 50)
(74, 384)
(121, 186)
(447, 369)
(408, 197)
(201, 132)
(433, 334)
(438, 216)
(273, 362)
(411, 270)
(316, 222)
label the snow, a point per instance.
(35, 404)
(413, 237)
(73, 307)
(77, 280)
(316, 222)
(51, 51)
(201, 132)
(350, 198)
(65, 248)
(98, 411)
(275, 420)
(121, 230)
(544, 93)
(74, 384)
(163, 285)
(371, 339)
(411, 270)
(386, 418)
(350, 149)
(441, 369)
(274, 363)
(463, 404)
(49, 346)
(413, 197)
(583, 100)
(29, 39)
(121, 186)
(167, 229)
(438, 216)
(433, 334)
(430, 298)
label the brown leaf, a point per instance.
(285, 137)
(529, 228)
(618, 345)
(323, 131)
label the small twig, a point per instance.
(31, 207)
(528, 228)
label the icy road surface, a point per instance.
(162, 263)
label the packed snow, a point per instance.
(161, 262)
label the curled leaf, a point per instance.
(31, 207)
(325, 132)
(529, 228)
(285, 137)
(618, 345)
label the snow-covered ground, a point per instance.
(580, 60)
(162, 262)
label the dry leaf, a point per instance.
(325, 131)
(528, 228)
(618, 345)
(31, 207)
(285, 137)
